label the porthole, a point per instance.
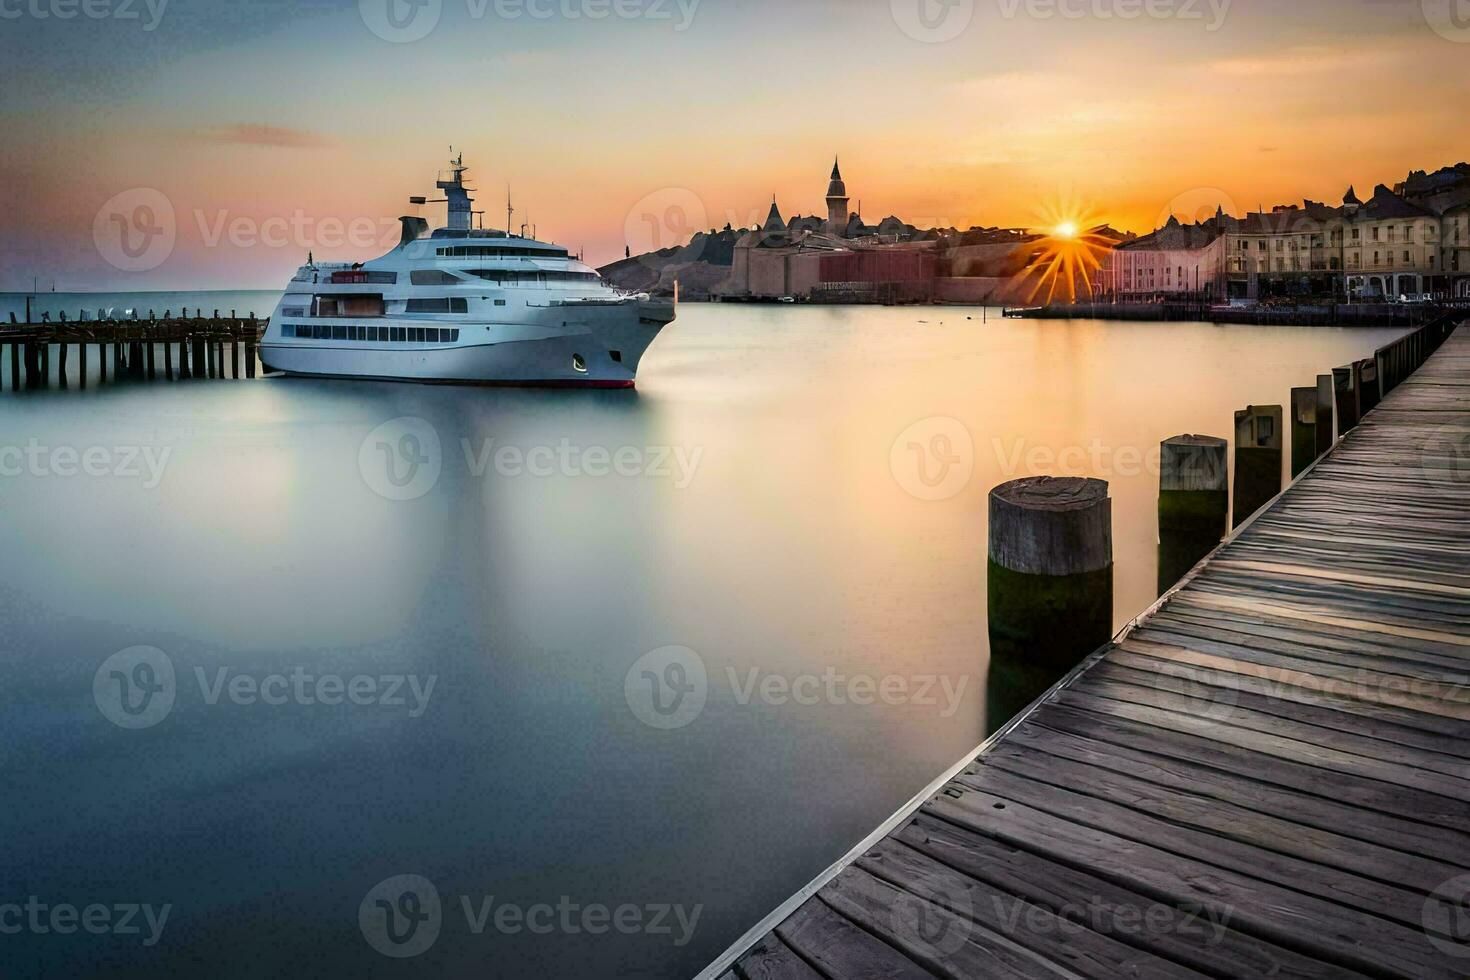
(579, 365)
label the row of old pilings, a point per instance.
(1050, 567)
(207, 347)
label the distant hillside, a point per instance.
(698, 266)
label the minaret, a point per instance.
(837, 201)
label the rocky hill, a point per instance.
(698, 266)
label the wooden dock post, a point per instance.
(1257, 459)
(1049, 586)
(168, 360)
(82, 364)
(45, 354)
(250, 338)
(1326, 435)
(61, 363)
(150, 354)
(1345, 387)
(102, 360)
(1303, 429)
(1194, 503)
(185, 371)
(15, 366)
(1367, 384)
(117, 358)
(201, 370)
(209, 357)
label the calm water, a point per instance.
(757, 501)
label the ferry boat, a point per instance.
(462, 305)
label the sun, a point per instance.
(1067, 229)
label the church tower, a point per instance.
(836, 201)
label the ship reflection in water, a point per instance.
(543, 649)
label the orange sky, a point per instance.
(271, 132)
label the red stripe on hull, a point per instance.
(466, 382)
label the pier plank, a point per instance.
(1281, 750)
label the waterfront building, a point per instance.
(1387, 248)
(785, 258)
(1176, 262)
(1455, 250)
(1392, 248)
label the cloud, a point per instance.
(1304, 60)
(256, 134)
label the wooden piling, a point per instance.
(1345, 390)
(1050, 587)
(201, 370)
(82, 364)
(1257, 459)
(149, 353)
(102, 360)
(168, 360)
(1326, 435)
(1303, 429)
(45, 354)
(15, 366)
(61, 363)
(1193, 484)
(1367, 382)
(1194, 503)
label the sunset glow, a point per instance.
(1011, 108)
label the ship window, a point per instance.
(339, 333)
(456, 304)
(398, 333)
(499, 251)
(431, 335)
(500, 302)
(454, 336)
(431, 277)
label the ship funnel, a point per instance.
(414, 228)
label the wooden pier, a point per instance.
(1268, 774)
(36, 355)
